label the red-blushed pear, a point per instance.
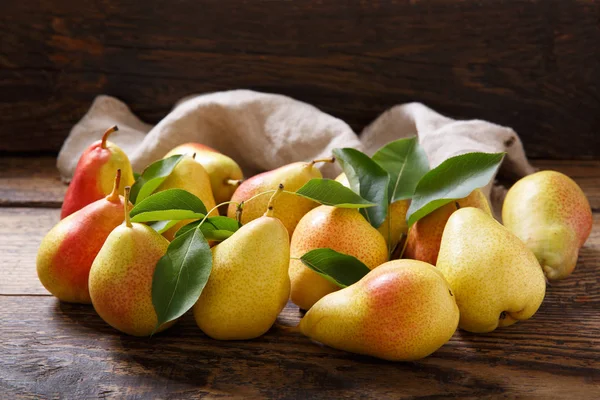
(550, 213)
(94, 174)
(67, 252)
(249, 284)
(121, 277)
(290, 208)
(341, 229)
(224, 173)
(425, 236)
(402, 310)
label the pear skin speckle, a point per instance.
(402, 310)
(343, 230)
(290, 208)
(249, 283)
(551, 214)
(121, 279)
(67, 252)
(491, 272)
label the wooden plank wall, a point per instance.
(531, 65)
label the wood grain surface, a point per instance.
(531, 65)
(53, 350)
(30, 182)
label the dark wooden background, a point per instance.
(531, 65)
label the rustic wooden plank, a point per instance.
(34, 182)
(30, 182)
(527, 64)
(21, 231)
(72, 353)
(53, 350)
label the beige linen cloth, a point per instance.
(263, 131)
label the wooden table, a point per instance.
(53, 350)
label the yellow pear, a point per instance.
(249, 284)
(191, 176)
(225, 174)
(394, 225)
(341, 229)
(290, 208)
(550, 213)
(495, 278)
(402, 310)
(120, 280)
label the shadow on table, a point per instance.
(285, 365)
(279, 364)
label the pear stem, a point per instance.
(114, 195)
(240, 207)
(271, 205)
(238, 212)
(194, 156)
(234, 182)
(213, 209)
(126, 207)
(107, 134)
(325, 160)
(259, 194)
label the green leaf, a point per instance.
(162, 226)
(406, 163)
(170, 204)
(213, 228)
(332, 193)
(180, 276)
(136, 176)
(341, 269)
(367, 179)
(453, 179)
(152, 177)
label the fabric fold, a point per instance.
(263, 131)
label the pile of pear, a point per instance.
(461, 267)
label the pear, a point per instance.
(550, 213)
(120, 279)
(67, 252)
(425, 236)
(224, 173)
(495, 278)
(95, 173)
(403, 310)
(290, 208)
(394, 225)
(249, 283)
(341, 229)
(191, 176)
